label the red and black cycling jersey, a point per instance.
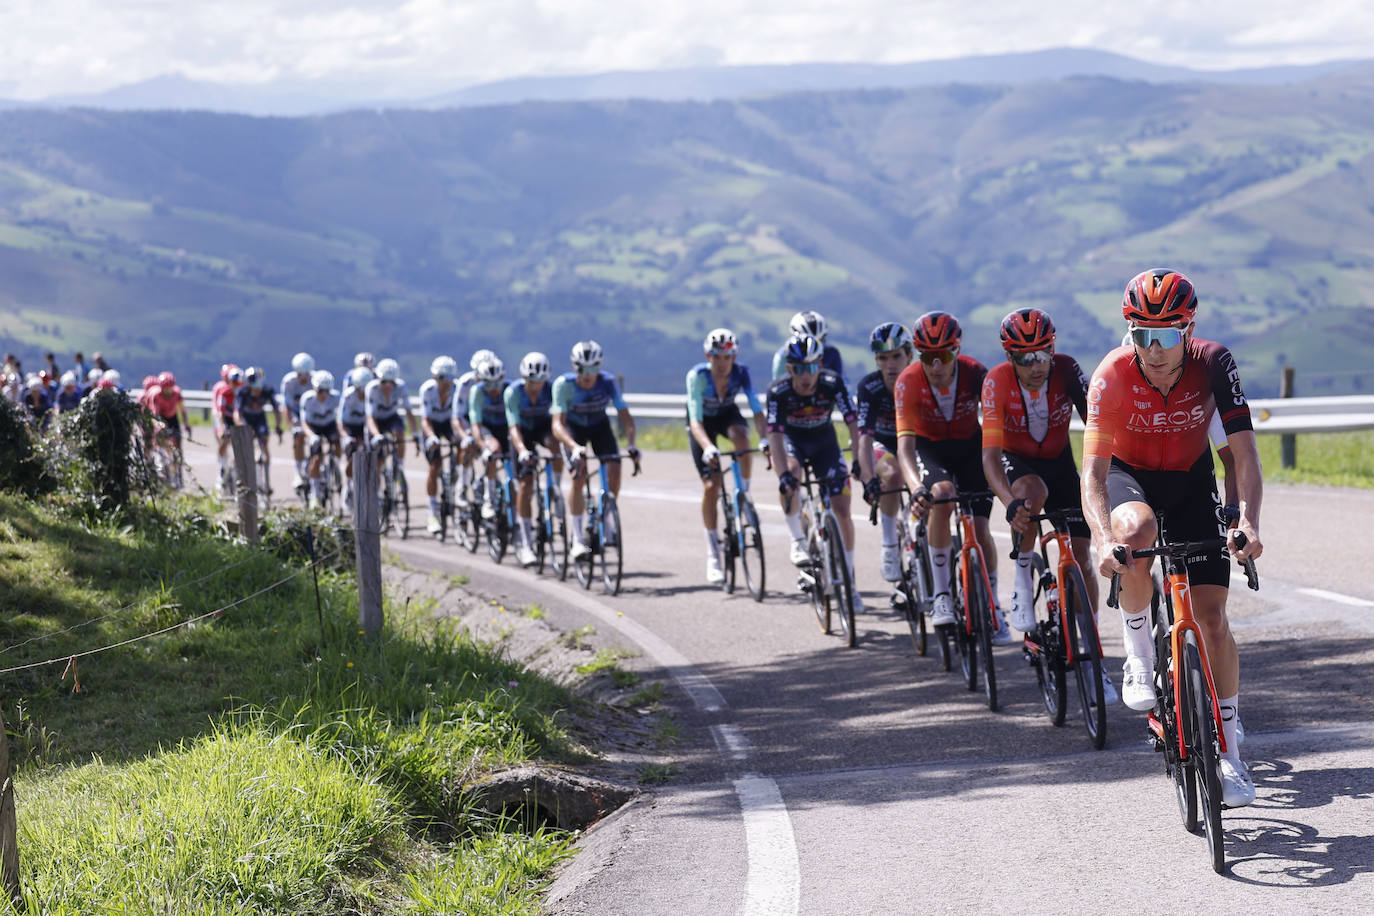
(918, 412)
(247, 400)
(877, 411)
(1131, 420)
(804, 416)
(1005, 409)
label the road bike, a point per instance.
(1185, 724)
(970, 592)
(742, 538)
(467, 510)
(332, 504)
(168, 457)
(1065, 637)
(825, 575)
(448, 475)
(551, 523)
(395, 505)
(914, 593)
(500, 527)
(602, 533)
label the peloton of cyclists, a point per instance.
(318, 410)
(252, 399)
(351, 419)
(528, 402)
(386, 401)
(712, 387)
(467, 441)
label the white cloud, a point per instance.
(53, 46)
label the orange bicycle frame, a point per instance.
(970, 545)
(1177, 584)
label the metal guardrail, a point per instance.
(1270, 415)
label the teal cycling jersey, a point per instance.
(586, 406)
(487, 409)
(525, 412)
(703, 400)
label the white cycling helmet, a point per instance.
(443, 367)
(322, 379)
(719, 342)
(303, 363)
(809, 323)
(363, 360)
(534, 367)
(586, 353)
(94, 376)
(493, 370)
(68, 379)
(112, 376)
(388, 370)
(480, 357)
(360, 376)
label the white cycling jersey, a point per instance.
(352, 409)
(315, 412)
(291, 390)
(462, 390)
(432, 405)
(381, 407)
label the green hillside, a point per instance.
(188, 238)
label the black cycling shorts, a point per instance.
(601, 437)
(1060, 476)
(717, 427)
(501, 434)
(257, 422)
(823, 454)
(395, 424)
(957, 460)
(443, 429)
(1189, 504)
(324, 432)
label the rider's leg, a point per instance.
(938, 536)
(739, 438)
(298, 448)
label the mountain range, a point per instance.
(184, 239)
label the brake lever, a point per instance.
(1113, 596)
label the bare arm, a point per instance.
(1250, 489)
(627, 423)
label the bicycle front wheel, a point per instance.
(751, 547)
(611, 539)
(981, 607)
(496, 527)
(1087, 656)
(265, 483)
(820, 581)
(402, 502)
(842, 586)
(1205, 752)
(729, 546)
(558, 533)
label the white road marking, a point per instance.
(774, 882)
(1333, 596)
(731, 741)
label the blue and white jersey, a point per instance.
(586, 406)
(433, 405)
(291, 390)
(352, 408)
(703, 400)
(525, 412)
(316, 412)
(486, 408)
(381, 407)
(462, 394)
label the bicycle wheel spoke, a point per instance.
(1087, 657)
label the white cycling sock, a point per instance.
(888, 523)
(1230, 715)
(317, 487)
(794, 525)
(1023, 584)
(578, 522)
(744, 484)
(939, 568)
(849, 558)
(1135, 633)
(992, 586)
(712, 543)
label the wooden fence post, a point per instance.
(241, 441)
(368, 537)
(9, 827)
(1288, 443)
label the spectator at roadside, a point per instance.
(79, 364)
(54, 371)
(99, 360)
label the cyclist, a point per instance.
(800, 430)
(712, 387)
(318, 409)
(876, 457)
(295, 385)
(222, 398)
(352, 421)
(487, 417)
(436, 422)
(527, 416)
(386, 401)
(251, 401)
(1146, 451)
(939, 446)
(69, 394)
(166, 403)
(580, 399)
(467, 443)
(811, 323)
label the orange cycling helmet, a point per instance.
(1027, 329)
(1159, 296)
(936, 331)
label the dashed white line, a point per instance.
(1334, 596)
(731, 741)
(774, 882)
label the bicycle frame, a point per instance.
(1067, 562)
(1176, 583)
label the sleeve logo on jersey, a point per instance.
(1233, 375)
(1095, 390)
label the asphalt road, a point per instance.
(819, 779)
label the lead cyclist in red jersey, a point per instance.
(1146, 452)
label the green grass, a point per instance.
(256, 762)
(1333, 459)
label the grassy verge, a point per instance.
(259, 761)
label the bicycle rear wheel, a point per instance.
(402, 502)
(541, 534)
(611, 538)
(820, 581)
(916, 588)
(496, 527)
(842, 588)
(558, 533)
(1205, 753)
(729, 546)
(585, 566)
(751, 547)
(265, 483)
(467, 526)
(980, 606)
(964, 642)
(1087, 654)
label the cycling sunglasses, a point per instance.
(589, 370)
(1031, 357)
(1166, 337)
(931, 357)
(804, 368)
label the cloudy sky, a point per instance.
(423, 46)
